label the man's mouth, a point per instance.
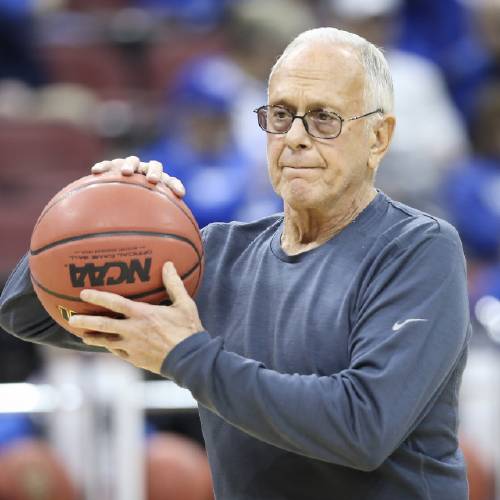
(300, 167)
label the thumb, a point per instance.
(173, 283)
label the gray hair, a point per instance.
(379, 90)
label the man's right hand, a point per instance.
(153, 170)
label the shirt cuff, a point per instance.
(182, 349)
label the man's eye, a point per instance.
(280, 114)
(323, 116)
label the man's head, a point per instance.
(340, 73)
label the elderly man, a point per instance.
(327, 343)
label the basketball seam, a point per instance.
(199, 276)
(69, 193)
(115, 233)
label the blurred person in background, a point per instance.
(253, 42)
(21, 71)
(472, 196)
(18, 60)
(194, 14)
(198, 143)
(443, 32)
(488, 14)
(208, 136)
(482, 60)
(431, 134)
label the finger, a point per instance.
(130, 165)
(173, 283)
(175, 185)
(143, 167)
(111, 301)
(121, 353)
(101, 340)
(154, 172)
(93, 341)
(96, 324)
(112, 338)
(117, 162)
(102, 166)
(165, 178)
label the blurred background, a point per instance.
(177, 81)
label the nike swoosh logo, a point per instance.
(398, 325)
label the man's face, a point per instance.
(316, 173)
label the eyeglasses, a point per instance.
(318, 123)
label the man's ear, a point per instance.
(381, 135)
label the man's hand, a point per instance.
(147, 333)
(152, 169)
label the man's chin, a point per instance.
(300, 200)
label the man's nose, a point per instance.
(297, 137)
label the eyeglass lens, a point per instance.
(320, 123)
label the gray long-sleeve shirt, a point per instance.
(332, 374)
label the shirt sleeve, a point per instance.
(410, 334)
(22, 314)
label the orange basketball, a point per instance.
(114, 233)
(480, 473)
(30, 470)
(177, 469)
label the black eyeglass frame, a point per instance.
(302, 117)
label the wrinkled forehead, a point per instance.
(332, 72)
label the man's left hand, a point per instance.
(146, 333)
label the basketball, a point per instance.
(30, 470)
(177, 469)
(113, 233)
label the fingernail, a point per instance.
(179, 187)
(84, 294)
